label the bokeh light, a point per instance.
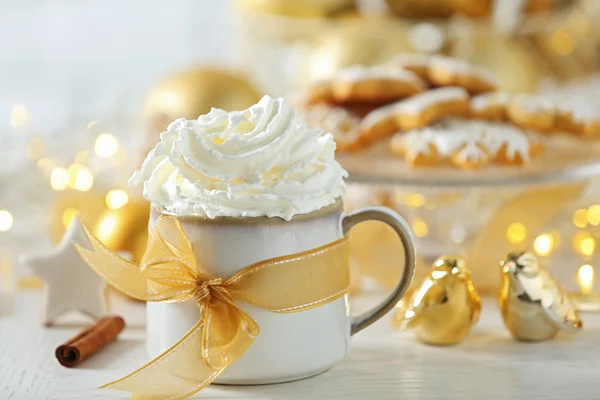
(580, 218)
(59, 178)
(6, 220)
(116, 199)
(593, 215)
(84, 180)
(415, 200)
(35, 148)
(516, 233)
(80, 177)
(18, 115)
(584, 243)
(106, 145)
(586, 278)
(420, 228)
(106, 227)
(543, 244)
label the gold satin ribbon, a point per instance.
(168, 272)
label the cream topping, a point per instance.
(261, 161)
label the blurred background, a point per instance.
(88, 86)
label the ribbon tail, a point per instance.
(220, 337)
(123, 275)
(177, 373)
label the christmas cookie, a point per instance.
(447, 71)
(379, 123)
(320, 92)
(532, 112)
(430, 106)
(470, 155)
(337, 120)
(536, 143)
(359, 84)
(417, 150)
(506, 144)
(583, 120)
(416, 63)
(464, 144)
(489, 106)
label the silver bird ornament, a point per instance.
(533, 305)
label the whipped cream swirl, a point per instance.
(257, 162)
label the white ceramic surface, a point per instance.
(281, 350)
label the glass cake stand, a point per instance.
(448, 208)
(565, 159)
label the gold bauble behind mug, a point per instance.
(194, 92)
(68, 204)
(123, 229)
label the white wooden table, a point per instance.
(383, 364)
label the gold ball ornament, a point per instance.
(299, 8)
(68, 204)
(567, 42)
(366, 41)
(439, 8)
(121, 229)
(511, 60)
(194, 92)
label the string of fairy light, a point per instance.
(76, 176)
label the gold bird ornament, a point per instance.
(534, 306)
(445, 307)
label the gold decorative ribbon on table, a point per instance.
(372, 243)
(168, 272)
(534, 210)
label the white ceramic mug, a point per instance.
(289, 346)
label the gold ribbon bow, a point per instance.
(169, 273)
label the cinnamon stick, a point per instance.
(92, 339)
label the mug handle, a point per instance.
(399, 225)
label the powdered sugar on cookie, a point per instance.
(484, 101)
(357, 73)
(461, 67)
(419, 103)
(464, 140)
(533, 103)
